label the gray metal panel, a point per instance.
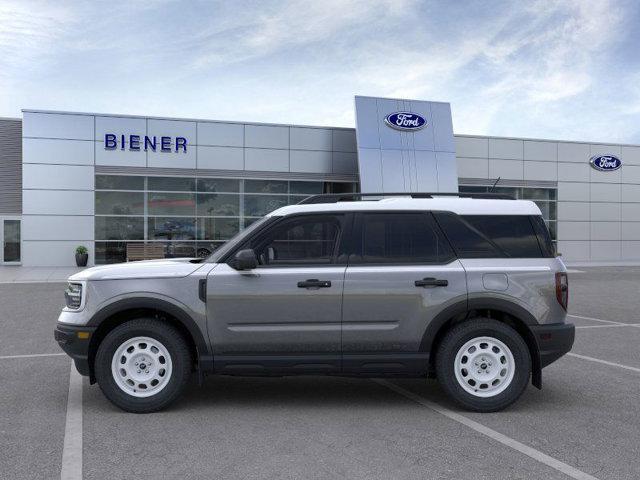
(221, 134)
(423, 139)
(370, 169)
(442, 127)
(393, 171)
(405, 161)
(10, 167)
(262, 136)
(367, 134)
(311, 139)
(427, 171)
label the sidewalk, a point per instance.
(19, 274)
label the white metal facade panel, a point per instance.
(120, 126)
(266, 159)
(58, 202)
(220, 158)
(311, 139)
(57, 125)
(58, 227)
(221, 134)
(57, 177)
(54, 151)
(266, 136)
(310, 161)
(119, 157)
(543, 151)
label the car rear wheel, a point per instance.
(143, 365)
(483, 364)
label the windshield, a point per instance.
(235, 240)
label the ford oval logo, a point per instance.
(605, 163)
(405, 121)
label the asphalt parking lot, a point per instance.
(585, 423)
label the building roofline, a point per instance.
(11, 118)
(180, 119)
(204, 120)
(401, 99)
(548, 140)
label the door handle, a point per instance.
(314, 283)
(431, 282)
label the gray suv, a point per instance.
(468, 290)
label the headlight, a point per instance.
(73, 295)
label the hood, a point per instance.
(165, 268)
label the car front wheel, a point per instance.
(483, 364)
(143, 365)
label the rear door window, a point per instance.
(400, 238)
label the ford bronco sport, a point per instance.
(468, 290)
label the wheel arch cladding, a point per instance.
(121, 311)
(504, 311)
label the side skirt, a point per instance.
(365, 364)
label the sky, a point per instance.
(565, 69)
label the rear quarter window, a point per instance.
(491, 236)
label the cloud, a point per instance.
(538, 68)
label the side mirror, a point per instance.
(245, 260)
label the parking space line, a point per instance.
(72, 449)
(497, 436)
(601, 320)
(604, 362)
(33, 355)
(609, 326)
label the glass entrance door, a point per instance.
(10, 236)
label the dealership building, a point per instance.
(181, 187)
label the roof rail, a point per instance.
(351, 197)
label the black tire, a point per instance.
(462, 333)
(158, 330)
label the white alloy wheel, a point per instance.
(484, 367)
(141, 367)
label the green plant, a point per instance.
(81, 250)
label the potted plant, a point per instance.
(82, 255)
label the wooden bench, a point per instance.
(141, 251)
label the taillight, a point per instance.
(562, 289)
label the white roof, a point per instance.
(461, 206)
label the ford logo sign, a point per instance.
(605, 163)
(405, 121)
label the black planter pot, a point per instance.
(81, 259)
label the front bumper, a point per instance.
(75, 341)
(554, 340)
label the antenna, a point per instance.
(494, 184)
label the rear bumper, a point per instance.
(74, 345)
(554, 341)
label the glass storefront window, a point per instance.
(266, 186)
(171, 228)
(218, 185)
(171, 184)
(213, 228)
(306, 188)
(218, 204)
(172, 204)
(260, 205)
(119, 228)
(119, 203)
(119, 182)
(188, 216)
